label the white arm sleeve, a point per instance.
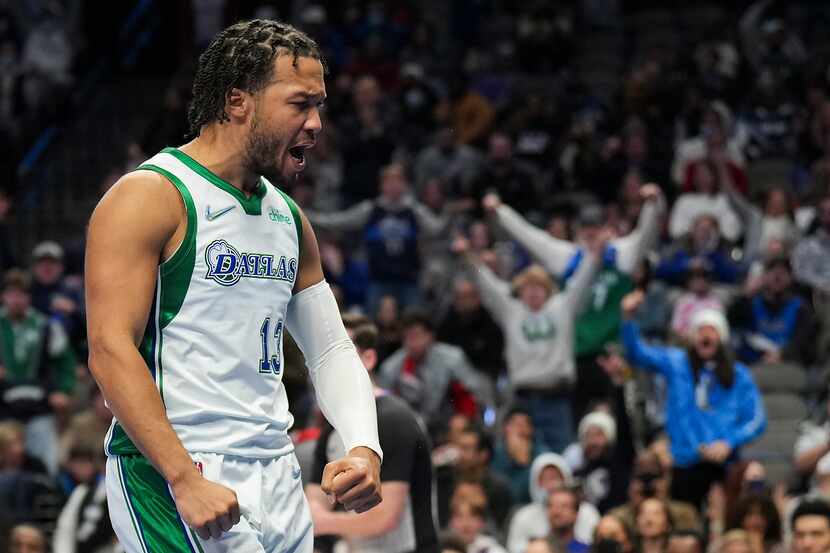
(341, 382)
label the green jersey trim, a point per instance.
(172, 284)
(160, 527)
(251, 206)
(177, 271)
(298, 221)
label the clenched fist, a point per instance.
(354, 480)
(207, 507)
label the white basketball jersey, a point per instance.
(213, 342)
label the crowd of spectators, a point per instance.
(576, 292)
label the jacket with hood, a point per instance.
(699, 411)
(531, 521)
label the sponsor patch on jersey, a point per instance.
(226, 265)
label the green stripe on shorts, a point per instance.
(159, 523)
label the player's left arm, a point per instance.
(342, 385)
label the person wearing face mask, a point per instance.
(612, 535)
(713, 406)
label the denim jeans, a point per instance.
(42, 441)
(552, 419)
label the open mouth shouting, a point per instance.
(297, 153)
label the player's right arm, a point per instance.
(136, 225)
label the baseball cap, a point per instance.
(591, 215)
(48, 249)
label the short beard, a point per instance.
(259, 154)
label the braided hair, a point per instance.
(242, 57)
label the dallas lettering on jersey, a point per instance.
(226, 265)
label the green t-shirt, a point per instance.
(599, 323)
(21, 349)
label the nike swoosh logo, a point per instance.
(211, 215)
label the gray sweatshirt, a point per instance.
(555, 254)
(539, 346)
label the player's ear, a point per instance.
(238, 104)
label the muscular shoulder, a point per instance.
(141, 201)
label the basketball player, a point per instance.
(196, 266)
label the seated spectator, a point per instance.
(54, 294)
(774, 323)
(83, 525)
(757, 515)
(811, 266)
(434, 378)
(612, 534)
(467, 521)
(469, 326)
(812, 444)
(650, 479)
(653, 524)
(26, 538)
(713, 405)
(706, 198)
(13, 454)
(38, 374)
(816, 230)
(698, 296)
(504, 174)
(475, 450)
(447, 160)
(515, 450)
(88, 428)
(810, 524)
(27, 492)
(703, 241)
(718, 133)
(685, 541)
(563, 506)
(538, 329)
(549, 472)
(595, 462)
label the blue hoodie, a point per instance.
(693, 419)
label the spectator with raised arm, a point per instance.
(391, 224)
(539, 331)
(713, 406)
(621, 257)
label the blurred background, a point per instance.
(503, 123)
